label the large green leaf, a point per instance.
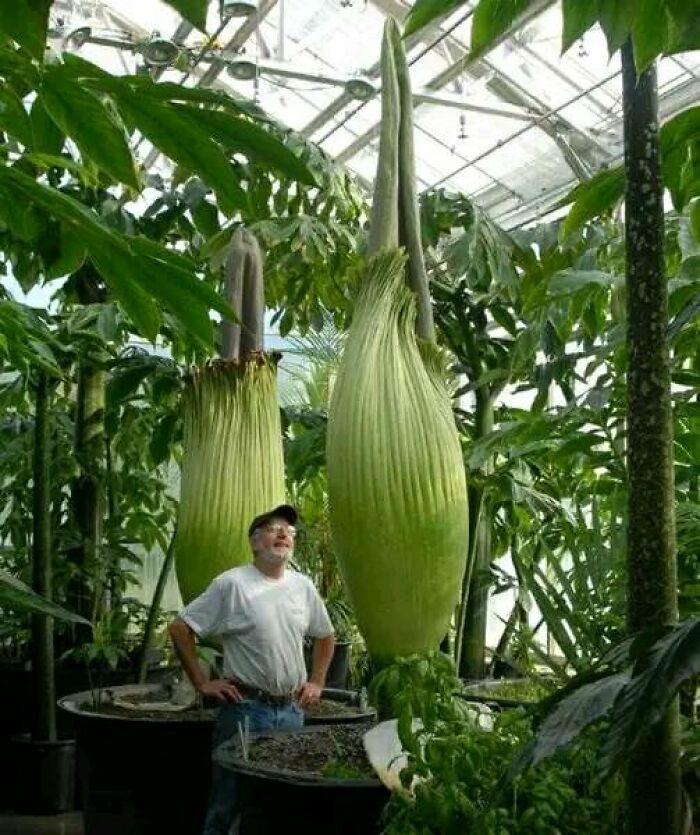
(683, 26)
(657, 676)
(572, 714)
(615, 18)
(26, 22)
(569, 280)
(186, 143)
(424, 11)
(681, 129)
(649, 32)
(48, 138)
(14, 119)
(193, 10)
(106, 248)
(82, 116)
(183, 271)
(492, 19)
(241, 135)
(578, 18)
(173, 287)
(15, 594)
(593, 198)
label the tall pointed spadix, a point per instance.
(396, 477)
(232, 467)
(395, 474)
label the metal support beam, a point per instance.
(462, 65)
(506, 111)
(399, 11)
(283, 69)
(244, 31)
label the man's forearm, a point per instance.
(322, 655)
(186, 649)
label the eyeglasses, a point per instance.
(288, 529)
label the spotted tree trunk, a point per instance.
(653, 774)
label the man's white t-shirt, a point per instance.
(262, 622)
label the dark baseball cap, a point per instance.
(283, 511)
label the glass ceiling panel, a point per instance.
(513, 130)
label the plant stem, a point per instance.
(87, 491)
(44, 717)
(653, 773)
(474, 637)
(149, 628)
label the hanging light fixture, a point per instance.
(242, 69)
(237, 8)
(462, 127)
(360, 88)
(158, 51)
(79, 37)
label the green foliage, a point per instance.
(193, 10)
(424, 12)
(457, 765)
(656, 27)
(17, 596)
(417, 685)
(632, 687)
(61, 223)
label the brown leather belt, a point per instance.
(262, 695)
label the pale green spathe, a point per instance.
(396, 476)
(232, 467)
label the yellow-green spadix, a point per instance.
(396, 476)
(232, 466)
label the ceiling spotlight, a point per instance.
(158, 51)
(237, 8)
(241, 68)
(79, 37)
(360, 88)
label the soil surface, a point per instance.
(332, 752)
(190, 715)
(327, 707)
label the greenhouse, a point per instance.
(350, 417)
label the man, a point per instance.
(262, 613)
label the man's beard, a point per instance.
(275, 556)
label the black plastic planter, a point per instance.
(42, 775)
(141, 776)
(339, 669)
(277, 800)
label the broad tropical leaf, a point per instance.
(82, 116)
(241, 135)
(424, 12)
(571, 715)
(657, 676)
(493, 18)
(195, 11)
(594, 197)
(26, 22)
(14, 594)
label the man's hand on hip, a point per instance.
(222, 690)
(309, 693)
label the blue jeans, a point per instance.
(222, 810)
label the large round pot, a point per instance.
(140, 775)
(350, 707)
(278, 800)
